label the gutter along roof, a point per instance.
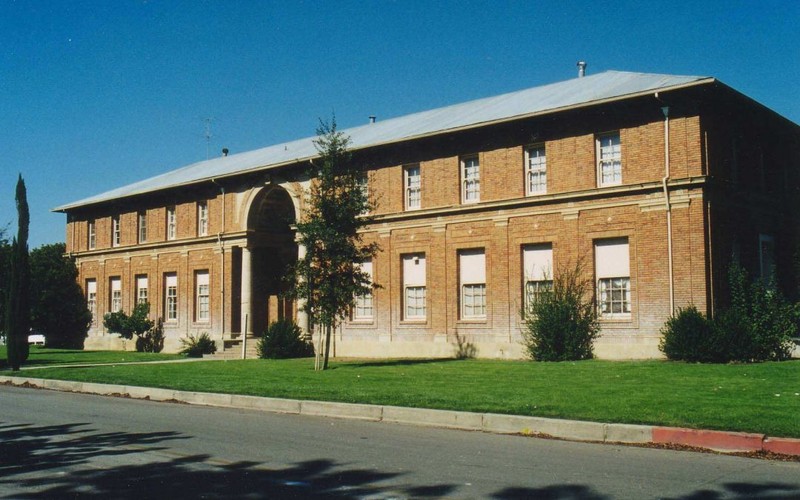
(577, 92)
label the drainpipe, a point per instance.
(664, 184)
(222, 260)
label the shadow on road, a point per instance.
(71, 460)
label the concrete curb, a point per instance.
(573, 430)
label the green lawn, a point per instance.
(760, 397)
(41, 356)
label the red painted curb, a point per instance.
(785, 446)
(715, 440)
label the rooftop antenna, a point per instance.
(208, 136)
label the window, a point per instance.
(537, 271)
(609, 160)
(470, 180)
(472, 272)
(115, 285)
(91, 298)
(766, 257)
(141, 289)
(414, 272)
(202, 218)
(171, 223)
(171, 297)
(201, 297)
(612, 267)
(363, 185)
(363, 308)
(115, 232)
(142, 224)
(92, 235)
(413, 187)
(535, 171)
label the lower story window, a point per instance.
(474, 300)
(534, 290)
(171, 295)
(363, 309)
(415, 302)
(614, 296)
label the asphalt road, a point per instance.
(60, 445)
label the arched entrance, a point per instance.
(272, 251)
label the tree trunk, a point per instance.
(328, 330)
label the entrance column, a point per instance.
(302, 316)
(247, 291)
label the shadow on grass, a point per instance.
(398, 362)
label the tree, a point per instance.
(5, 277)
(328, 277)
(58, 308)
(17, 313)
(149, 334)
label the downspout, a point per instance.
(222, 261)
(664, 184)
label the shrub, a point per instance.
(283, 340)
(690, 336)
(561, 324)
(195, 347)
(149, 334)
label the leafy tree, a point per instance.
(17, 313)
(328, 277)
(149, 334)
(58, 309)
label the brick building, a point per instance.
(653, 181)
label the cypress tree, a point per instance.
(17, 320)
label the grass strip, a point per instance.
(41, 356)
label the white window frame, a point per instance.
(142, 226)
(472, 281)
(202, 296)
(537, 271)
(609, 159)
(116, 236)
(172, 224)
(141, 289)
(91, 235)
(364, 307)
(414, 287)
(91, 298)
(612, 272)
(202, 218)
(470, 179)
(115, 294)
(171, 297)
(535, 170)
(412, 182)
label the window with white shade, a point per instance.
(535, 170)
(472, 277)
(202, 310)
(142, 226)
(141, 289)
(414, 293)
(115, 231)
(363, 309)
(609, 159)
(766, 257)
(202, 218)
(172, 229)
(91, 298)
(91, 235)
(470, 180)
(537, 271)
(171, 297)
(612, 269)
(115, 285)
(413, 187)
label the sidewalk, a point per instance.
(573, 430)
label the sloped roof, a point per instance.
(610, 85)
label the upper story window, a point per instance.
(363, 309)
(535, 170)
(172, 224)
(142, 226)
(537, 270)
(612, 269)
(470, 180)
(202, 218)
(91, 235)
(472, 275)
(412, 180)
(363, 185)
(414, 288)
(115, 231)
(609, 159)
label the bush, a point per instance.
(283, 340)
(690, 336)
(149, 334)
(195, 347)
(561, 325)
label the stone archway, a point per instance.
(272, 249)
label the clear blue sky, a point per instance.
(98, 94)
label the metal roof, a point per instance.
(610, 85)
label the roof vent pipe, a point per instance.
(372, 118)
(224, 151)
(581, 69)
